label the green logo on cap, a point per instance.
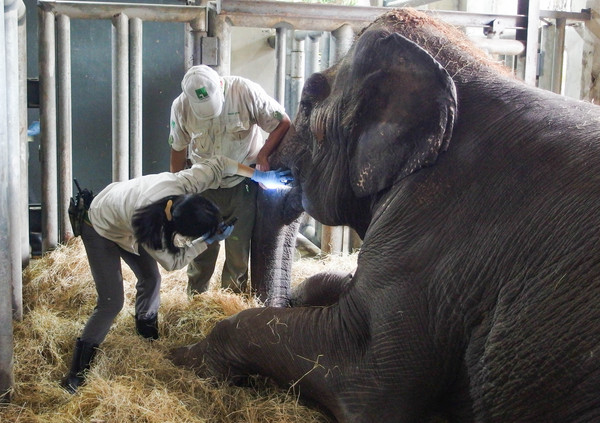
(201, 93)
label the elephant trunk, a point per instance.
(273, 245)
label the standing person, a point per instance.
(154, 218)
(225, 115)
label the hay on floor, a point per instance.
(131, 380)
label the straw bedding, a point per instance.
(130, 379)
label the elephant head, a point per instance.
(476, 289)
(386, 111)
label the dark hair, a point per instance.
(191, 215)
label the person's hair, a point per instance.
(190, 215)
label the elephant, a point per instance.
(476, 296)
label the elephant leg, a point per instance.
(273, 246)
(322, 289)
(327, 357)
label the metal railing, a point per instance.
(54, 53)
(13, 201)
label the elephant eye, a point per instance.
(305, 106)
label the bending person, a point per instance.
(159, 218)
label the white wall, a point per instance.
(252, 57)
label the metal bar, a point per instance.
(408, 3)
(65, 136)
(220, 27)
(297, 71)
(499, 46)
(9, 243)
(120, 98)
(343, 38)
(11, 51)
(106, 10)
(559, 55)
(312, 58)
(23, 143)
(530, 8)
(584, 15)
(328, 17)
(135, 97)
(47, 57)
(280, 55)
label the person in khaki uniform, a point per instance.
(217, 115)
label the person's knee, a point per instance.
(110, 306)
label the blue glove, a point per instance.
(220, 235)
(273, 178)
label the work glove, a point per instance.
(223, 232)
(273, 178)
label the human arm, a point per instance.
(178, 159)
(273, 140)
(188, 248)
(179, 138)
(271, 179)
(186, 254)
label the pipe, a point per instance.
(559, 55)
(106, 10)
(343, 38)
(10, 229)
(11, 34)
(296, 73)
(23, 141)
(65, 136)
(312, 57)
(47, 57)
(280, 54)
(499, 46)
(328, 17)
(531, 9)
(220, 27)
(135, 97)
(120, 98)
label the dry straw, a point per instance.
(131, 380)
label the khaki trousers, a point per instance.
(239, 201)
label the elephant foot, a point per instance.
(322, 289)
(187, 356)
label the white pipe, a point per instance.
(10, 235)
(65, 136)
(23, 142)
(280, 53)
(106, 10)
(47, 66)
(135, 97)
(120, 98)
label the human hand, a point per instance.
(274, 178)
(223, 232)
(262, 163)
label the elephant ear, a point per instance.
(405, 105)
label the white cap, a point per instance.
(204, 91)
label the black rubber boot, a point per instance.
(82, 357)
(148, 328)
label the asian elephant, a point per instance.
(476, 296)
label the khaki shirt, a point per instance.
(235, 133)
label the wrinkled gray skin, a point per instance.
(477, 292)
(273, 245)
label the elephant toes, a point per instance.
(185, 356)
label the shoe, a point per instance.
(148, 328)
(82, 357)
